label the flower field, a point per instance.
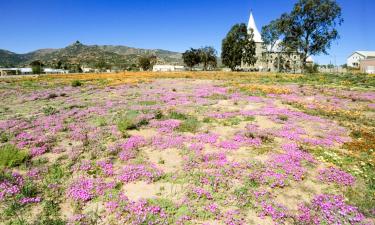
(187, 148)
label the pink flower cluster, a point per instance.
(164, 141)
(234, 217)
(207, 138)
(282, 166)
(12, 186)
(202, 193)
(24, 201)
(129, 147)
(135, 212)
(84, 189)
(132, 173)
(329, 209)
(268, 207)
(335, 175)
(106, 167)
(166, 126)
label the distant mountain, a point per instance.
(9, 59)
(87, 55)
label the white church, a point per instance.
(267, 57)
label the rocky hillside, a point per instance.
(87, 55)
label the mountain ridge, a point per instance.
(87, 55)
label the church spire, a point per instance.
(252, 25)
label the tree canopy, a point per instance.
(146, 62)
(309, 28)
(191, 57)
(238, 47)
(208, 57)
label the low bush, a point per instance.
(76, 83)
(49, 110)
(191, 124)
(128, 121)
(10, 156)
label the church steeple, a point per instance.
(252, 25)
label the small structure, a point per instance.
(55, 71)
(368, 66)
(15, 71)
(87, 70)
(167, 68)
(355, 58)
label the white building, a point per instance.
(87, 70)
(268, 58)
(55, 71)
(15, 71)
(355, 58)
(167, 68)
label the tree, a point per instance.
(208, 57)
(238, 47)
(145, 63)
(191, 57)
(270, 35)
(36, 67)
(101, 64)
(311, 27)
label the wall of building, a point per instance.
(368, 66)
(353, 60)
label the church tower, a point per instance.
(257, 37)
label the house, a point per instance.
(167, 68)
(368, 65)
(55, 71)
(268, 57)
(15, 71)
(87, 70)
(355, 58)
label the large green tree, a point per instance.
(36, 66)
(311, 27)
(145, 63)
(191, 57)
(208, 57)
(238, 47)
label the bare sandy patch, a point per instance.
(144, 190)
(253, 218)
(147, 133)
(252, 106)
(265, 123)
(168, 160)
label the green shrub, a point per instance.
(191, 124)
(10, 156)
(177, 116)
(76, 83)
(4, 137)
(49, 110)
(282, 117)
(158, 114)
(128, 122)
(147, 103)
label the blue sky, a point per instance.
(166, 24)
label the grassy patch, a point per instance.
(76, 83)
(49, 110)
(191, 124)
(10, 156)
(127, 122)
(147, 103)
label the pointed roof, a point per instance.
(252, 25)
